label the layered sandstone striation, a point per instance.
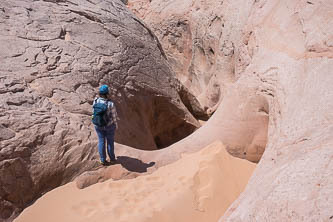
(54, 55)
(198, 187)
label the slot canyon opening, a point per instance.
(168, 124)
(243, 120)
(150, 122)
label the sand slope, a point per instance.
(198, 187)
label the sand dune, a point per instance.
(198, 187)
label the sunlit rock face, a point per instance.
(54, 55)
(207, 47)
(289, 44)
(270, 64)
(197, 39)
(281, 60)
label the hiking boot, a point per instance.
(114, 161)
(105, 163)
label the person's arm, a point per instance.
(114, 115)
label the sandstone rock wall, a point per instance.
(282, 62)
(211, 34)
(54, 54)
(276, 89)
(198, 38)
(289, 44)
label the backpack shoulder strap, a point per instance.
(95, 100)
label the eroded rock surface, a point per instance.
(282, 62)
(291, 58)
(198, 40)
(278, 57)
(54, 54)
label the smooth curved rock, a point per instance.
(210, 33)
(283, 50)
(240, 121)
(282, 59)
(199, 42)
(54, 55)
(292, 57)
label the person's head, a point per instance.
(103, 90)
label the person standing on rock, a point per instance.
(104, 119)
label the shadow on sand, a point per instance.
(133, 164)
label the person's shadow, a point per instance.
(133, 164)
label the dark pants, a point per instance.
(107, 133)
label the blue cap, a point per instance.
(104, 89)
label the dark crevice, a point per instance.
(91, 2)
(168, 127)
(211, 51)
(87, 16)
(62, 34)
(125, 2)
(54, 1)
(60, 1)
(153, 37)
(192, 104)
(36, 39)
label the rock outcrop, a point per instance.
(240, 121)
(54, 54)
(282, 61)
(198, 41)
(274, 61)
(209, 32)
(289, 44)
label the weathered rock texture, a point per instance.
(197, 39)
(241, 120)
(282, 61)
(210, 66)
(290, 51)
(279, 91)
(283, 57)
(54, 54)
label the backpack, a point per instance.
(99, 117)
